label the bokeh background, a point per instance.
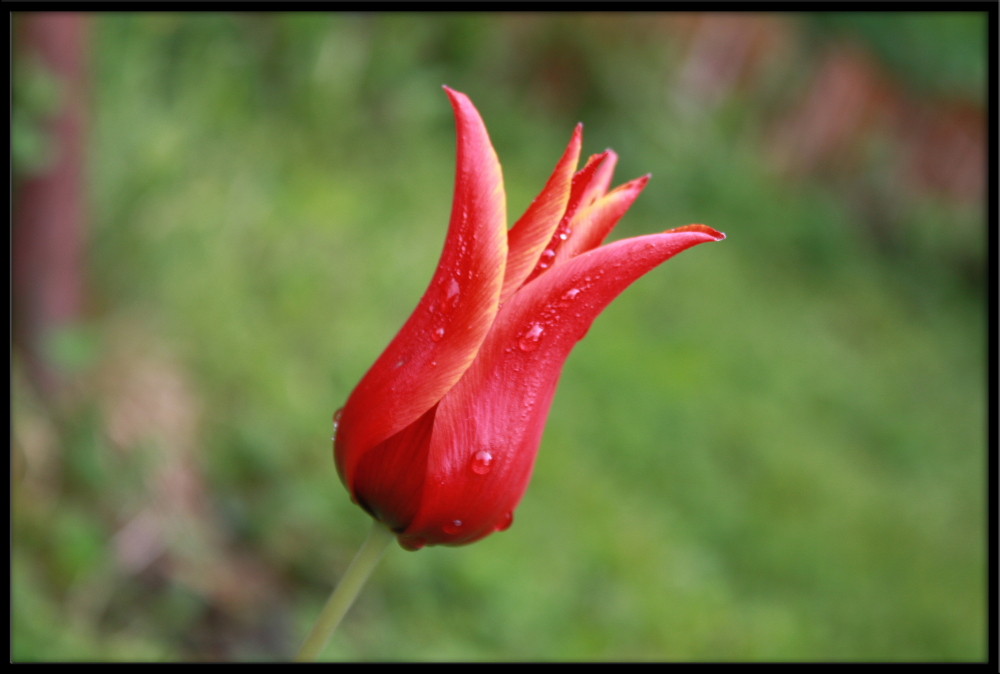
(771, 448)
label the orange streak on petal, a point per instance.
(581, 191)
(534, 229)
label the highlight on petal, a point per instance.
(488, 427)
(534, 229)
(439, 341)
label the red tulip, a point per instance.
(439, 438)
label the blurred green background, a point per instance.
(771, 448)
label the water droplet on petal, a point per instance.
(571, 294)
(437, 334)
(545, 261)
(481, 463)
(452, 527)
(336, 421)
(529, 340)
(451, 294)
(505, 521)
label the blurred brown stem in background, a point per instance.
(48, 203)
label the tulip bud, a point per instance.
(439, 438)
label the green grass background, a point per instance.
(771, 448)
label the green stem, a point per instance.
(346, 591)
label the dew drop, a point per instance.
(545, 261)
(571, 294)
(336, 423)
(451, 294)
(437, 334)
(452, 527)
(529, 340)
(481, 462)
(505, 521)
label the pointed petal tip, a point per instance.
(458, 99)
(452, 93)
(713, 234)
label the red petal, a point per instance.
(584, 189)
(529, 235)
(598, 184)
(591, 225)
(389, 478)
(497, 411)
(439, 341)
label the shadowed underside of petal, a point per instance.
(488, 427)
(442, 336)
(389, 477)
(533, 230)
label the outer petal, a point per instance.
(439, 341)
(533, 230)
(389, 478)
(488, 427)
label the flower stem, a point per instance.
(346, 591)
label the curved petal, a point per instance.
(598, 184)
(592, 224)
(389, 478)
(440, 339)
(533, 230)
(487, 429)
(584, 188)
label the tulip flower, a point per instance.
(439, 438)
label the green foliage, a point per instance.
(934, 52)
(772, 448)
